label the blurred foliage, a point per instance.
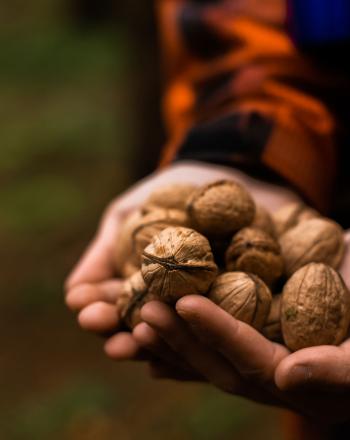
(67, 148)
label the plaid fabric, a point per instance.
(238, 92)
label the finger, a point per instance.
(99, 317)
(82, 295)
(97, 262)
(323, 368)
(149, 339)
(161, 370)
(174, 331)
(123, 346)
(248, 351)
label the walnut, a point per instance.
(272, 329)
(264, 221)
(242, 295)
(315, 308)
(221, 208)
(172, 196)
(317, 240)
(133, 296)
(291, 215)
(178, 262)
(123, 255)
(151, 224)
(254, 251)
(129, 269)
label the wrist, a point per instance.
(272, 195)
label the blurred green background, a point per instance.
(75, 87)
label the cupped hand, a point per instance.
(92, 287)
(234, 357)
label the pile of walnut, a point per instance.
(275, 272)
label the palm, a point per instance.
(201, 341)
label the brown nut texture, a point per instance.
(129, 269)
(254, 251)
(317, 240)
(244, 296)
(221, 208)
(291, 215)
(272, 329)
(263, 220)
(315, 308)
(152, 224)
(178, 262)
(133, 296)
(174, 196)
(123, 249)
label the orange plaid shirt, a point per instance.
(239, 92)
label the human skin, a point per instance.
(198, 340)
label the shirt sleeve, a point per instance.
(238, 92)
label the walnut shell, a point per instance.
(242, 295)
(152, 224)
(263, 220)
(253, 250)
(123, 255)
(129, 269)
(317, 240)
(291, 215)
(272, 329)
(172, 196)
(133, 296)
(315, 308)
(178, 262)
(221, 208)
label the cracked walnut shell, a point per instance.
(133, 296)
(255, 251)
(315, 308)
(123, 255)
(317, 240)
(244, 296)
(178, 262)
(221, 208)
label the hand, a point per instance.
(92, 288)
(237, 359)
